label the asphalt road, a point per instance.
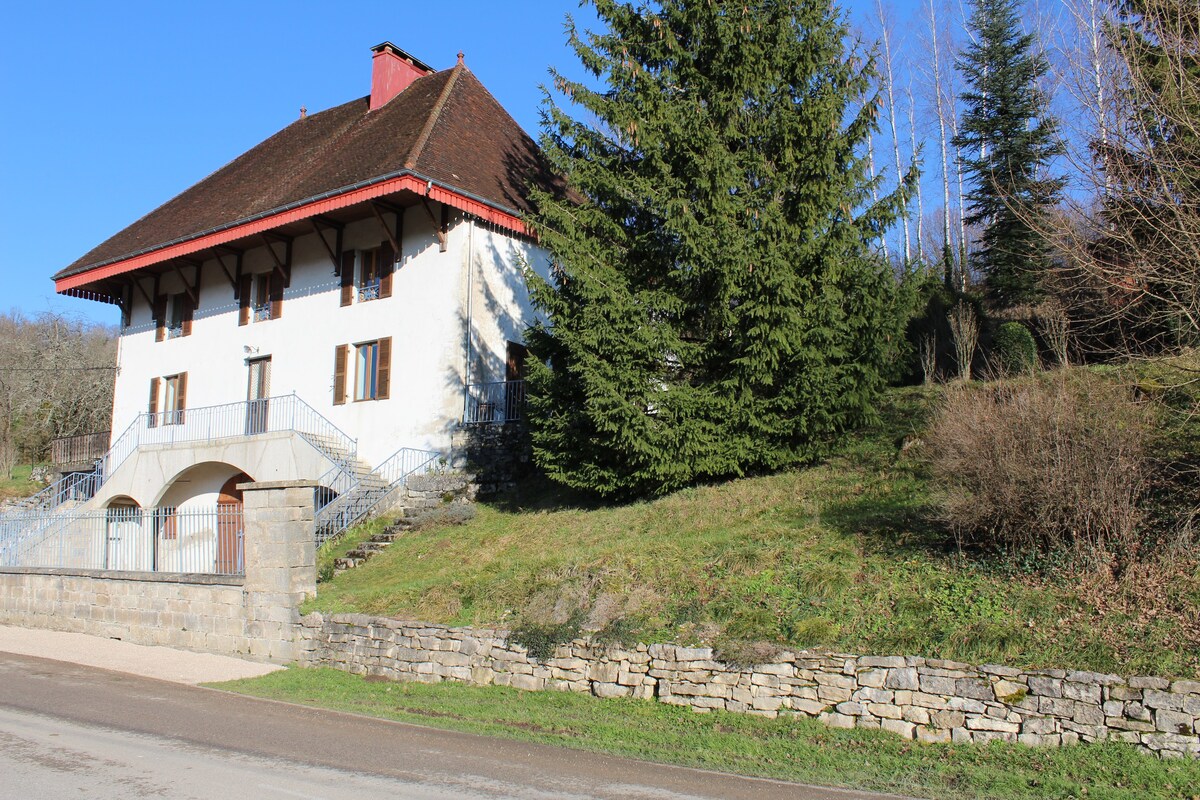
(68, 731)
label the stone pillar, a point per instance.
(280, 560)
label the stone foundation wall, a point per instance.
(499, 456)
(144, 608)
(916, 698)
(255, 616)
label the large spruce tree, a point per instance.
(714, 308)
(1008, 139)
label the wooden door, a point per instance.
(230, 528)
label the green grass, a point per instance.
(838, 556)
(18, 484)
(788, 748)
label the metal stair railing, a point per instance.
(357, 503)
(287, 413)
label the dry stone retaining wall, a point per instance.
(917, 698)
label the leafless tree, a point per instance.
(887, 72)
(943, 107)
(964, 327)
(56, 380)
(1134, 238)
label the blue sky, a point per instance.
(110, 109)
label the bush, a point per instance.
(1014, 348)
(1043, 466)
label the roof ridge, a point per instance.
(436, 112)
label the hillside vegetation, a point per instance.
(844, 555)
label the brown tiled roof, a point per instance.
(445, 126)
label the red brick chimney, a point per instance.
(392, 70)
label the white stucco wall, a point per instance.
(426, 316)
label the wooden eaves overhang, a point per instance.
(102, 281)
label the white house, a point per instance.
(349, 289)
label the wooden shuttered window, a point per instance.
(189, 311)
(339, 374)
(152, 408)
(347, 277)
(383, 374)
(181, 396)
(387, 262)
(244, 290)
(160, 318)
(275, 295)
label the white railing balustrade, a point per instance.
(206, 541)
(494, 403)
(285, 414)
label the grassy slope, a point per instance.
(791, 748)
(837, 556)
(19, 484)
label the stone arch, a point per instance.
(206, 484)
(122, 501)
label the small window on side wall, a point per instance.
(372, 364)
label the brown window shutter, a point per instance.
(152, 408)
(244, 300)
(189, 309)
(383, 377)
(160, 318)
(181, 397)
(347, 277)
(339, 375)
(276, 295)
(387, 260)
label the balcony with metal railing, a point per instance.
(73, 453)
(285, 414)
(494, 403)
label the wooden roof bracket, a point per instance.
(335, 252)
(229, 274)
(149, 300)
(193, 292)
(391, 237)
(284, 265)
(443, 227)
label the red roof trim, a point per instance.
(410, 182)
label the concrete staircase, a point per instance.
(377, 543)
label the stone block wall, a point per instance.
(499, 456)
(916, 698)
(143, 608)
(255, 616)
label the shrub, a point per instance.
(1043, 466)
(541, 640)
(1014, 348)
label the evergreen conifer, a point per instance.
(1008, 139)
(714, 308)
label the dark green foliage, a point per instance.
(541, 639)
(714, 310)
(1007, 139)
(1014, 348)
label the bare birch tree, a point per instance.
(889, 88)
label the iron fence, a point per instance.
(207, 541)
(494, 403)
